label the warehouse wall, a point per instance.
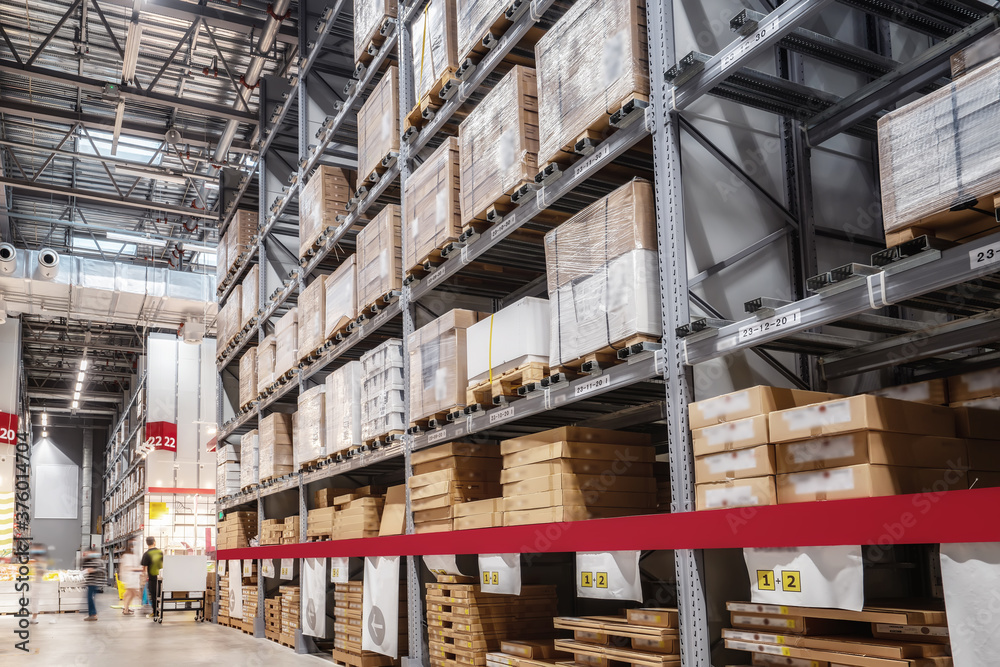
(64, 446)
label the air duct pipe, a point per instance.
(8, 258)
(275, 15)
(48, 263)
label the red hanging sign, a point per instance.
(161, 435)
(213, 444)
(8, 429)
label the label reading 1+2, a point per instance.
(771, 324)
(591, 385)
(500, 415)
(984, 255)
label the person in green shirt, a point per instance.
(152, 563)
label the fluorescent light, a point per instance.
(79, 386)
(76, 396)
(137, 239)
(75, 405)
(83, 365)
(45, 434)
(155, 175)
(195, 247)
(80, 376)
(45, 419)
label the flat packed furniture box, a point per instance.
(312, 317)
(433, 215)
(286, 343)
(434, 43)
(369, 16)
(475, 18)
(250, 292)
(230, 315)
(448, 475)
(603, 277)
(508, 339)
(593, 60)
(276, 457)
(379, 257)
(309, 437)
(265, 363)
(382, 391)
(378, 124)
(343, 408)
(235, 241)
(341, 299)
(438, 375)
(248, 376)
(323, 199)
(498, 144)
(942, 151)
(249, 459)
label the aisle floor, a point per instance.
(66, 640)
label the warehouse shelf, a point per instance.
(240, 424)
(235, 500)
(249, 333)
(287, 482)
(929, 518)
(360, 334)
(281, 394)
(236, 275)
(280, 119)
(277, 208)
(123, 538)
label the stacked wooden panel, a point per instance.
(323, 198)
(290, 532)
(464, 624)
(270, 532)
(647, 637)
(237, 529)
(272, 618)
(347, 628)
(449, 476)
(574, 473)
(291, 605)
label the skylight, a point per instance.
(134, 149)
(107, 247)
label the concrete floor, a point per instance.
(66, 640)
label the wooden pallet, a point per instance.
(429, 103)
(364, 659)
(430, 261)
(955, 226)
(381, 167)
(373, 46)
(498, 28)
(606, 356)
(436, 420)
(376, 442)
(506, 384)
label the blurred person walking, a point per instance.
(152, 563)
(128, 572)
(93, 568)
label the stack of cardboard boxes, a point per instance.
(237, 529)
(642, 637)
(380, 258)
(347, 627)
(249, 459)
(248, 377)
(478, 514)
(249, 606)
(449, 476)
(235, 242)
(574, 473)
(311, 322)
(340, 307)
(343, 409)
(275, 445)
(227, 479)
(358, 514)
(291, 605)
(527, 653)
(272, 618)
(369, 17)
(271, 531)
(250, 293)
(309, 426)
(223, 617)
(877, 636)
(378, 124)
(265, 363)
(433, 216)
(286, 344)
(290, 533)
(323, 198)
(382, 391)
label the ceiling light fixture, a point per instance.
(83, 364)
(79, 386)
(76, 396)
(75, 405)
(45, 419)
(45, 434)
(80, 376)
(137, 239)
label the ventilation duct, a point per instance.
(92, 289)
(8, 258)
(48, 263)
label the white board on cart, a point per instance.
(184, 573)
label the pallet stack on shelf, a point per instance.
(237, 529)
(291, 605)
(645, 636)
(272, 618)
(348, 628)
(449, 476)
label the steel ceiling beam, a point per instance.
(67, 395)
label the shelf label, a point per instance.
(380, 606)
(287, 569)
(500, 573)
(984, 255)
(601, 153)
(222, 567)
(501, 415)
(749, 42)
(437, 436)
(442, 565)
(970, 575)
(339, 570)
(501, 227)
(590, 386)
(608, 575)
(437, 275)
(8, 429)
(267, 567)
(248, 568)
(826, 577)
(770, 325)
(161, 435)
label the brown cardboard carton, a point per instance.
(597, 467)
(565, 513)
(738, 434)
(574, 434)
(432, 204)
(749, 492)
(469, 464)
(434, 46)
(557, 498)
(931, 392)
(438, 364)
(859, 413)
(853, 646)
(457, 490)
(653, 617)
(436, 514)
(323, 198)
(455, 449)
(312, 317)
(759, 400)
(741, 463)
(457, 474)
(929, 634)
(573, 482)
(579, 450)
(379, 257)
(865, 481)
(248, 376)
(442, 526)
(394, 511)
(488, 506)
(472, 521)
(977, 423)
(791, 624)
(340, 306)
(977, 384)
(378, 123)
(878, 447)
(984, 455)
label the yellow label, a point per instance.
(495, 578)
(791, 581)
(602, 580)
(784, 610)
(486, 577)
(779, 639)
(765, 580)
(785, 651)
(587, 579)
(790, 623)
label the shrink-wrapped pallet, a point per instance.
(433, 209)
(341, 297)
(250, 291)
(310, 426)
(343, 408)
(378, 123)
(369, 15)
(382, 390)
(434, 45)
(312, 317)
(323, 199)
(227, 479)
(591, 61)
(438, 365)
(379, 257)
(265, 363)
(239, 233)
(286, 343)
(942, 151)
(249, 459)
(248, 376)
(221, 260)
(508, 339)
(498, 143)
(603, 275)
(275, 444)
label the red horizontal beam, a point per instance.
(934, 517)
(185, 491)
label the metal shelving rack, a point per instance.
(654, 382)
(121, 460)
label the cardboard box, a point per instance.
(343, 408)
(379, 257)
(932, 392)
(455, 449)
(860, 413)
(250, 291)
(248, 376)
(498, 144)
(653, 617)
(286, 343)
(738, 464)
(565, 513)
(456, 490)
(929, 634)
(434, 44)
(438, 376)
(739, 434)
(309, 426)
(432, 203)
(322, 199)
(984, 455)
(382, 390)
(573, 482)
(510, 338)
(865, 481)
(378, 124)
(877, 447)
(265, 363)
(488, 506)
(473, 468)
(311, 321)
(791, 624)
(341, 298)
(579, 450)
(568, 466)
(759, 400)
(850, 645)
(750, 492)
(977, 384)
(442, 526)
(574, 434)
(590, 498)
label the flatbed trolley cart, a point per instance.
(183, 582)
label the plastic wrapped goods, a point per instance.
(512, 337)
(249, 459)
(378, 123)
(310, 426)
(434, 42)
(323, 199)
(369, 15)
(941, 151)
(433, 215)
(589, 63)
(341, 297)
(438, 371)
(248, 376)
(382, 390)
(379, 257)
(239, 233)
(221, 260)
(474, 19)
(265, 363)
(286, 343)
(250, 290)
(343, 408)
(312, 317)
(275, 442)
(603, 274)
(498, 143)
(978, 53)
